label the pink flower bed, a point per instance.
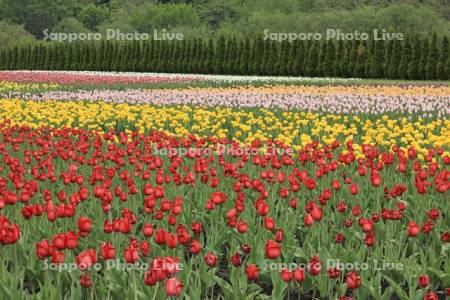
(90, 77)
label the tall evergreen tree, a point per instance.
(21, 59)
(271, 58)
(329, 60)
(108, 56)
(123, 57)
(203, 61)
(160, 60)
(405, 59)
(291, 58)
(95, 57)
(312, 61)
(208, 65)
(369, 58)
(187, 57)
(42, 57)
(7, 58)
(376, 68)
(171, 64)
(282, 61)
(387, 57)
(220, 55)
(306, 46)
(199, 56)
(53, 56)
(229, 56)
(258, 55)
(237, 61)
(245, 58)
(2, 59)
(238, 45)
(300, 59)
(433, 58)
(424, 58)
(361, 56)
(443, 72)
(13, 58)
(69, 57)
(394, 62)
(61, 57)
(340, 53)
(86, 58)
(19, 63)
(356, 50)
(24, 57)
(181, 58)
(322, 55)
(150, 67)
(101, 56)
(77, 56)
(416, 49)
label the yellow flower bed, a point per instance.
(6, 86)
(388, 90)
(294, 128)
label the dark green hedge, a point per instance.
(411, 58)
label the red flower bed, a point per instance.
(202, 221)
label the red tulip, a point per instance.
(241, 226)
(86, 259)
(269, 223)
(413, 229)
(210, 259)
(71, 240)
(333, 273)
(431, 296)
(173, 287)
(308, 221)
(59, 241)
(424, 281)
(353, 280)
(354, 189)
(160, 236)
(147, 230)
(85, 281)
(299, 275)
(273, 249)
(196, 227)
(43, 249)
(246, 248)
(316, 213)
(252, 272)
(145, 248)
(279, 235)
(236, 259)
(336, 185)
(195, 247)
(286, 275)
(107, 251)
(57, 257)
(10, 234)
(131, 254)
(84, 224)
(125, 225)
(315, 266)
(339, 238)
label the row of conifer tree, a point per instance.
(411, 58)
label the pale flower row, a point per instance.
(335, 103)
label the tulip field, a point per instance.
(160, 186)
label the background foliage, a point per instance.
(29, 18)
